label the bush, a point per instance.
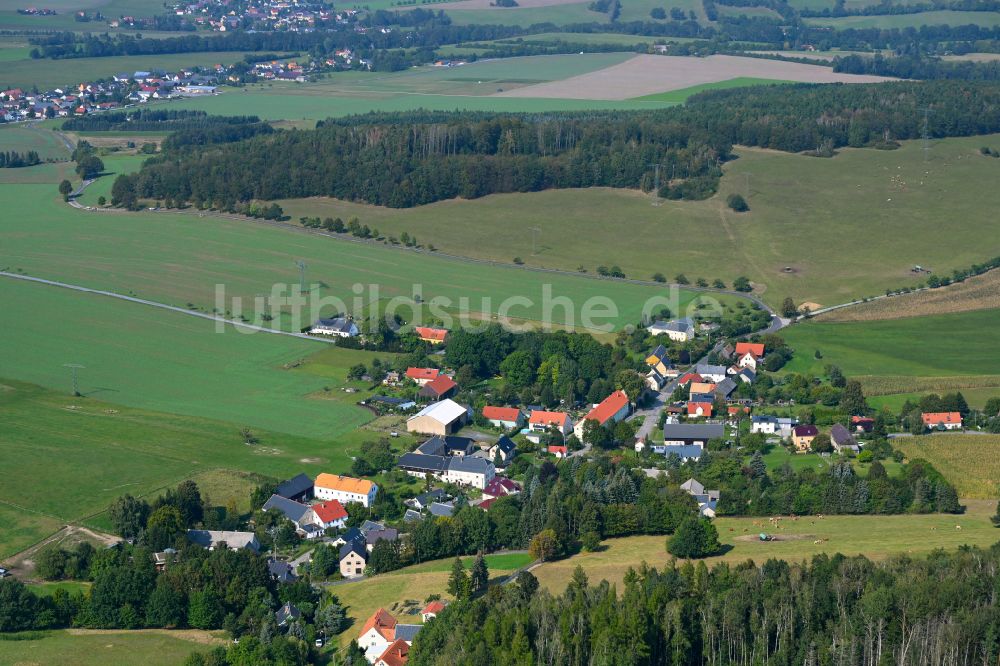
(695, 538)
(737, 203)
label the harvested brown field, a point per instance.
(650, 74)
(977, 293)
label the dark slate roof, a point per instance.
(387, 534)
(725, 387)
(354, 546)
(841, 436)
(471, 465)
(442, 509)
(294, 486)
(446, 446)
(421, 463)
(411, 515)
(341, 324)
(370, 525)
(287, 613)
(280, 571)
(426, 499)
(352, 534)
(506, 444)
(407, 632)
(684, 451)
(291, 510)
(693, 431)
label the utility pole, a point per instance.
(74, 367)
(534, 239)
(656, 183)
(302, 274)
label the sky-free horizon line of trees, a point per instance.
(409, 159)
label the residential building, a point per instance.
(504, 417)
(330, 514)
(803, 435)
(424, 500)
(434, 336)
(773, 425)
(300, 514)
(725, 388)
(439, 418)
(213, 539)
(942, 420)
(470, 471)
(678, 330)
(707, 499)
(442, 509)
(383, 533)
(558, 450)
(500, 486)
(701, 388)
(422, 376)
(505, 449)
(862, 423)
(688, 434)
(540, 421)
(287, 614)
(699, 409)
(754, 348)
(715, 373)
(661, 368)
(345, 489)
(842, 439)
(449, 445)
(397, 654)
(281, 572)
(339, 326)
(611, 410)
(432, 610)
(353, 559)
(379, 631)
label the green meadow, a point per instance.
(77, 647)
(946, 345)
(889, 21)
(22, 138)
(680, 96)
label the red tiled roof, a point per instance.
(511, 414)
(934, 418)
(856, 420)
(501, 486)
(396, 654)
(329, 511)
(383, 622)
(558, 448)
(706, 408)
(441, 384)
(539, 417)
(755, 348)
(608, 407)
(435, 334)
(689, 377)
(434, 607)
(422, 373)
(487, 503)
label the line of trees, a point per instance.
(833, 609)
(151, 120)
(409, 159)
(10, 159)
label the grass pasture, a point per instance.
(976, 397)
(680, 96)
(22, 528)
(889, 21)
(81, 647)
(876, 537)
(942, 346)
(970, 462)
(24, 137)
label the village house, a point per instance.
(558, 450)
(422, 376)
(301, 515)
(706, 499)
(440, 418)
(540, 421)
(339, 326)
(507, 418)
(500, 486)
(661, 368)
(802, 437)
(699, 410)
(714, 373)
(434, 336)
(611, 410)
(353, 559)
(504, 449)
(212, 539)
(842, 439)
(345, 489)
(397, 654)
(942, 420)
(686, 440)
(748, 354)
(862, 423)
(450, 459)
(773, 425)
(330, 514)
(678, 330)
(432, 609)
(382, 630)
(298, 488)
(439, 388)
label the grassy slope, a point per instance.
(101, 648)
(946, 345)
(22, 138)
(889, 204)
(875, 536)
(970, 462)
(142, 357)
(181, 258)
(51, 73)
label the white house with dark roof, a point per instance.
(679, 330)
(339, 326)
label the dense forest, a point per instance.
(832, 610)
(409, 159)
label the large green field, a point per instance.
(845, 227)
(970, 462)
(64, 20)
(22, 138)
(947, 345)
(889, 21)
(181, 258)
(155, 359)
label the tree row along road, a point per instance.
(162, 306)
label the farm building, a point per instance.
(345, 489)
(503, 417)
(434, 336)
(439, 388)
(679, 330)
(341, 327)
(440, 418)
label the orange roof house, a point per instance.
(422, 375)
(432, 609)
(382, 623)
(502, 414)
(440, 387)
(435, 336)
(397, 654)
(344, 489)
(546, 419)
(699, 409)
(947, 420)
(613, 408)
(755, 348)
